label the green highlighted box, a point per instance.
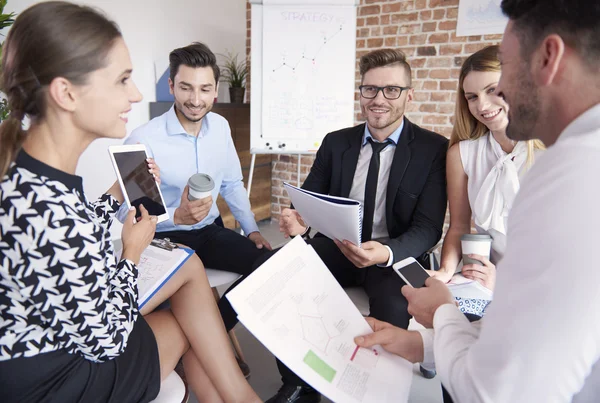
(319, 366)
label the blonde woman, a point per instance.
(484, 168)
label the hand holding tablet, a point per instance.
(137, 183)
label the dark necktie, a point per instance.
(371, 190)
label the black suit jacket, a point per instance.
(416, 192)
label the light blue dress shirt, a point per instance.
(180, 155)
(395, 136)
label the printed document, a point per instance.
(294, 306)
(156, 267)
(335, 217)
(462, 287)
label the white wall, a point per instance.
(152, 28)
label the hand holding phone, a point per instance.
(411, 272)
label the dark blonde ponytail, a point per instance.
(48, 40)
(12, 136)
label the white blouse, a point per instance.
(493, 182)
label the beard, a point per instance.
(181, 110)
(524, 110)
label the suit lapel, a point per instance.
(399, 164)
(350, 159)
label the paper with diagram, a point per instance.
(295, 307)
(156, 267)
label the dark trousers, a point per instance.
(222, 249)
(382, 286)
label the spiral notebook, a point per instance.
(335, 217)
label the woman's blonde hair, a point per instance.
(466, 126)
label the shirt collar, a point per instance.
(26, 161)
(588, 121)
(394, 137)
(174, 126)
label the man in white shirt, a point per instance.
(540, 339)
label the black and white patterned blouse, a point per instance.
(60, 284)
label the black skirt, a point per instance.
(58, 376)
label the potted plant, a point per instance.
(6, 20)
(234, 73)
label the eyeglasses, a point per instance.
(389, 92)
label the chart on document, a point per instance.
(295, 307)
(308, 71)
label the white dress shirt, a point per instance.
(494, 180)
(540, 338)
(357, 191)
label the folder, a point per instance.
(335, 217)
(155, 268)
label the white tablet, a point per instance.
(137, 183)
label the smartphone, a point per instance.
(411, 272)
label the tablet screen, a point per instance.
(139, 184)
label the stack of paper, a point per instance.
(462, 287)
(335, 217)
(295, 307)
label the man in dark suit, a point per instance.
(398, 171)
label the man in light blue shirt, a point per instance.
(189, 139)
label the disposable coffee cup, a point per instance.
(200, 186)
(480, 244)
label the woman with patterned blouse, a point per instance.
(70, 328)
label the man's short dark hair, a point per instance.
(577, 22)
(382, 58)
(195, 55)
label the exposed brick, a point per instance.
(425, 15)
(369, 10)
(439, 73)
(385, 19)
(455, 73)
(439, 14)
(422, 73)
(391, 8)
(372, 20)
(452, 13)
(429, 27)
(438, 38)
(418, 62)
(409, 28)
(426, 51)
(421, 96)
(391, 30)
(374, 42)
(402, 18)
(418, 39)
(442, 3)
(459, 60)
(435, 120)
(361, 43)
(360, 22)
(420, 4)
(450, 49)
(376, 31)
(474, 47)
(449, 85)
(390, 41)
(474, 38)
(440, 96)
(447, 25)
(430, 85)
(402, 41)
(439, 62)
(362, 32)
(445, 108)
(428, 108)
(496, 37)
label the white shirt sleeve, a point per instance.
(540, 337)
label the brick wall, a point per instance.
(426, 31)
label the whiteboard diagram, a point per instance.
(307, 77)
(480, 17)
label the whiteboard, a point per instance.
(303, 74)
